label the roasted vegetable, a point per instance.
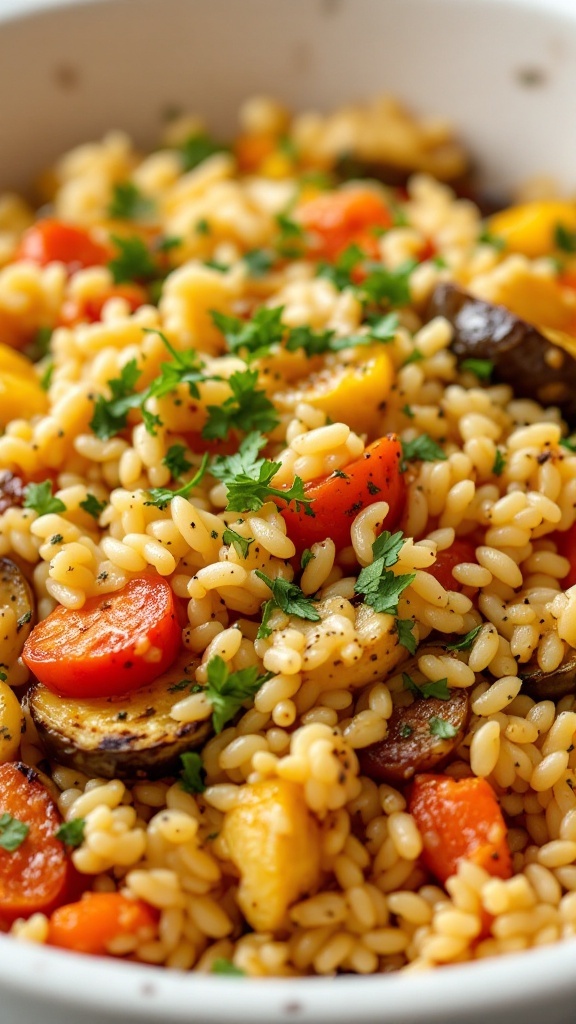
(97, 920)
(17, 611)
(129, 737)
(412, 744)
(538, 363)
(11, 491)
(542, 685)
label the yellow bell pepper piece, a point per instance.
(274, 842)
(14, 362)
(530, 228)
(20, 398)
(539, 300)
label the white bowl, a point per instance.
(505, 72)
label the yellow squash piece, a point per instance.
(274, 842)
(530, 228)
(15, 363)
(19, 398)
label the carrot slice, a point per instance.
(34, 876)
(113, 644)
(91, 924)
(459, 818)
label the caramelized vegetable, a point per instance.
(90, 925)
(542, 685)
(17, 611)
(11, 491)
(538, 364)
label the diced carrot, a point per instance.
(253, 148)
(350, 216)
(51, 240)
(459, 818)
(91, 924)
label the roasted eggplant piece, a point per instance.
(412, 745)
(17, 612)
(12, 490)
(538, 363)
(542, 685)
(130, 737)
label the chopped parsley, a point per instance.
(12, 832)
(228, 691)
(176, 461)
(46, 378)
(466, 641)
(129, 203)
(161, 497)
(569, 443)
(247, 478)
(92, 506)
(289, 598)
(111, 414)
(197, 148)
(405, 730)
(438, 688)
(385, 286)
(39, 498)
(291, 235)
(193, 773)
(251, 339)
(3, 676)
(499, 463)
(487, 238)
(340, 272)
(71, 833)
(25, 618)
(202, 227)
(405, 631)
(223, 966)
(185, 367)
(379, 586)
(441, 728)
(564, 238)
(380, 328)
(133, 260)
(422, 449)
(483, 368)
(306, 557)
(242, 544)
(258, 262)
(247, 408)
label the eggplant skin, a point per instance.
(131, 737)
(536, 364)
(542, 685)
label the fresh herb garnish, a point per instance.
(289, 598)
(25, 618)
(405, 631)
(385, 286)
(111, 414)
(12, 832)
(380, 588)
(242, 544)
(564, 238)
(247, 478)
(422, 449)
(161, 497)
(193, 773)
(176, 461)
(247, 408)
(251, 339)
(438, 688)
(483, 368)
(291, 237)
(223, 966)
(487, 238)
(92, 506)
(405, 730)
(185, 367)
(258, 262)
(228, 691)
(441, 728)
(46, 378)
(197, 148)
(129, 203)
(499, 463)
(71, 833)
(133, 260)
(466, 641)
(340, 272)
(306, 557)
(39, 497)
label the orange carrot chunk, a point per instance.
(90, 925)
(459, 818)
(350, 216)
(113, 644)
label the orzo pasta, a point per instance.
(287, 553)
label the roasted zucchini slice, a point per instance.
(17, 612)
(130, 737)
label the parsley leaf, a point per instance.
(380, 328)
(92, 506)
(404, 629)
(258, 262)
(483, 368)
(133, 261)
(380, 587)
(253, 337)
(438, 688)
(499, 463)
(422, 449)
(340, 272)
(306, 557)
(175, 460)
(389, 286)
(291, 238)
(197, 148)
(129, 203)
(228, 691)
(39, 497)
(247, 478)
(193, 773)
(466, 641)
(160, 497)
(564, 238)
(3, 677)
(487, 238)
(12, 832)
(441, 728)
(71, 833)
(185, 367)
(290, 598)
(387, 546)
(111, 414)
(569, 443)
(242, 544)
(247, 408)
(223, 966)
(46, 378)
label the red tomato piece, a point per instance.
(52, 240)
(447, 560)
(337, 499)
(349, 216)
(113, 644)
(76, 311)
(33, 877)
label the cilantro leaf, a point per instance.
(228, 691)
(564, 238)
(499, 463)
(438, 688)
(175, 460)
(247, 478)
(422, 449)
(388, 286)
(483, 368)
(223, 966)
(111, 414)
(387, 546)
(253, 337)
(39, 497)
(247, 408)
(71, 833)
(466, 641)
(160, 497)
(340, 272)
(92, 506)
(193, 773)
(197, 148)
(441, 728)
(133, 261)
(264, 629)
(129, 203)
(290, 598)
(12, 832)
(242, 544)
(380, 587)
(404, 629)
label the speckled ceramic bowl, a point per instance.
(505, 72)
